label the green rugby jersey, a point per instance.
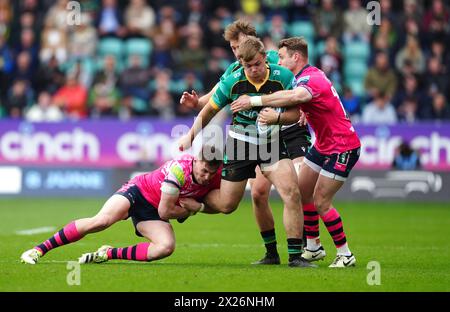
(272, 58)
(244, 123)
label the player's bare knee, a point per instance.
(229, 208)
(166, 249)
(101, 222)
(291, 194)
(260, 195)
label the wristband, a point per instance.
(256, 101)
(202, 207)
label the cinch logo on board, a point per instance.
(132, 147)
(434, 149)
(76, 145)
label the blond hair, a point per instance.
(250, 48)
(295, 44)
(238, 27)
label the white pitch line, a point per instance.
(44, 229)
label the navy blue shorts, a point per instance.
(140, 208)
(334, 166)
(297, 140)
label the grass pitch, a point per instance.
(410, 241)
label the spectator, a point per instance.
(277, 28)
(351, 104)
(214, 35)
(49, 77)
(436, 19)
(387, 31)
(406, 158)
(19, 97)
(139, 18)
(83, 39)
(436, 79)
(379, 112)
(24, 69)
(72, 98)
(328, 20)
(109, 73)
(161, 55)
(109, 21)
(103, 100)
(439, 110)
(300, 10)
(355, 23)
(163, 104)
(275, 7)
(54, 43)
(58, 16)
(212, 74)
(194, 13)
(6, 66)
(411, 52)
(381, 79)
(6, 14)
(411, 10)
(28, 44)
(134, 80)
(408, 110)
(331, 62)
(167, 28)
(192, 57)
(44, 110)
(410, 90)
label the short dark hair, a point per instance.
(211, 155)
(295, 44)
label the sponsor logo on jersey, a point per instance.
(177, 171)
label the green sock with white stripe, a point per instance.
(295, 248)
(270, 241)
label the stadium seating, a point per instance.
(302, 28)
(111, 46)
(357, 50)
(142, 47)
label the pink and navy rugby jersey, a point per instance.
(178, 173)
(325, 113)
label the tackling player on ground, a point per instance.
(335, 151)
(173, 191)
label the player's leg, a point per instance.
(260, 190)
(226, 199)
(161, 245)
(282, 175)
(331, 179)
(307, 178)
(115, 209)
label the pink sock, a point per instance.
(334, 226)
(66, 235)
(311, 221)
(137, 252)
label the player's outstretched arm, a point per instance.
(270, 116)
(284, 98)
(204, 117)
(191, 100)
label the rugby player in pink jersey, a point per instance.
(335, 151)
(173, 191)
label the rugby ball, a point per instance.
(268, 131)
